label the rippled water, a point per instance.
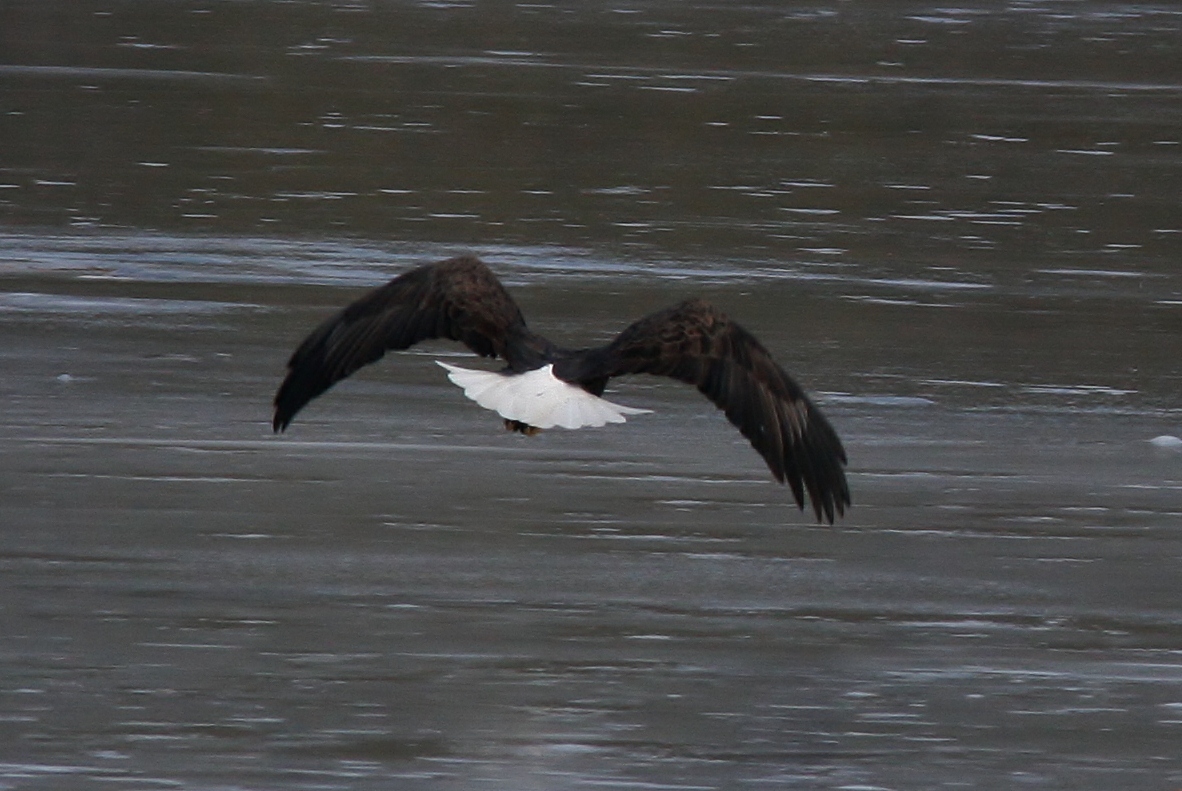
(957, 225)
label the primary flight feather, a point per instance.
(544, 385)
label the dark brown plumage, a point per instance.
(694, 342)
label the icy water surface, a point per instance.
(956, 225)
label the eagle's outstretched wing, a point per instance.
(697, 343)
(459, 299)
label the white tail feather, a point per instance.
(537, 398)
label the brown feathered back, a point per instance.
(461, 299)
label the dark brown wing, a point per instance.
(696, 343)
(460, 299)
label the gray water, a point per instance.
(958, 227)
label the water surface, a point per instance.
(956, 225)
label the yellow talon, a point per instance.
(524, 428)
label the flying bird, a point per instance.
(544, 385)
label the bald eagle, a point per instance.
(544, 385)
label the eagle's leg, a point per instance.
(524, 428)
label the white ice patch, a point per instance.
(537, 398)
(1168, 443)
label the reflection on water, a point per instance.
(956, 225)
